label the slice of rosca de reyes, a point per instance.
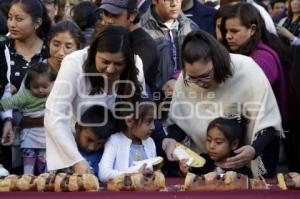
(155, 162)
(281, 181)
(194, 160)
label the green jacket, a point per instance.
(25, 101)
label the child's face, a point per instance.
(217, 145)
(143, 130)
(40, 86)
(87, 140)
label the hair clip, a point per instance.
(237, 117)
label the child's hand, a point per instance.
(82, 167)
(169, 145)
(145, 170)
(8, 134)
(184, 168)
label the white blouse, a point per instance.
(115, 159)
(68, 99)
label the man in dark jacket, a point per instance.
(167, 25)
(201, 14)
(125, 13)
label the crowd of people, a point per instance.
(94, 86)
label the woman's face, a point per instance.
(61, 45)
(237, 34)
(20, 23)
(200, 73)
(110, 64)
(295, 6)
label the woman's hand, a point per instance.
(168, 145)
(285, 32)
(82, 167)
(169, 87)
(243, 156)
(8, 134)
(145, 170)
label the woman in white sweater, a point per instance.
(98, 75)
(215, 84)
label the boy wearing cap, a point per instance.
(125, 13)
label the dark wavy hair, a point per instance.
(113, 39)
(85, 15)
(99, 120)
(232, 128)
(69, 27)
(201, 46)
(137, 110)
(249, 16)
(36, 9)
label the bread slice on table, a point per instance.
(258, 183)
(89, 182)
(9, 183)
(214, 181)
(289, 181)
(154, 181)
(61, 182)
(45, 182)
(155, 163)
(26, 182)
(76, 182)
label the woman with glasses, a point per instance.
(64, 38)
(215, 84)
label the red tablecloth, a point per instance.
(273, 194)
(242, 194)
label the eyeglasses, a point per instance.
(170, 2)
(206, 78)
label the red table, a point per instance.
(241, 194)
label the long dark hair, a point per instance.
(85, 15)
(201, 46)
(69, 27)
(113, 39)
(249, 16)
(36, 9)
